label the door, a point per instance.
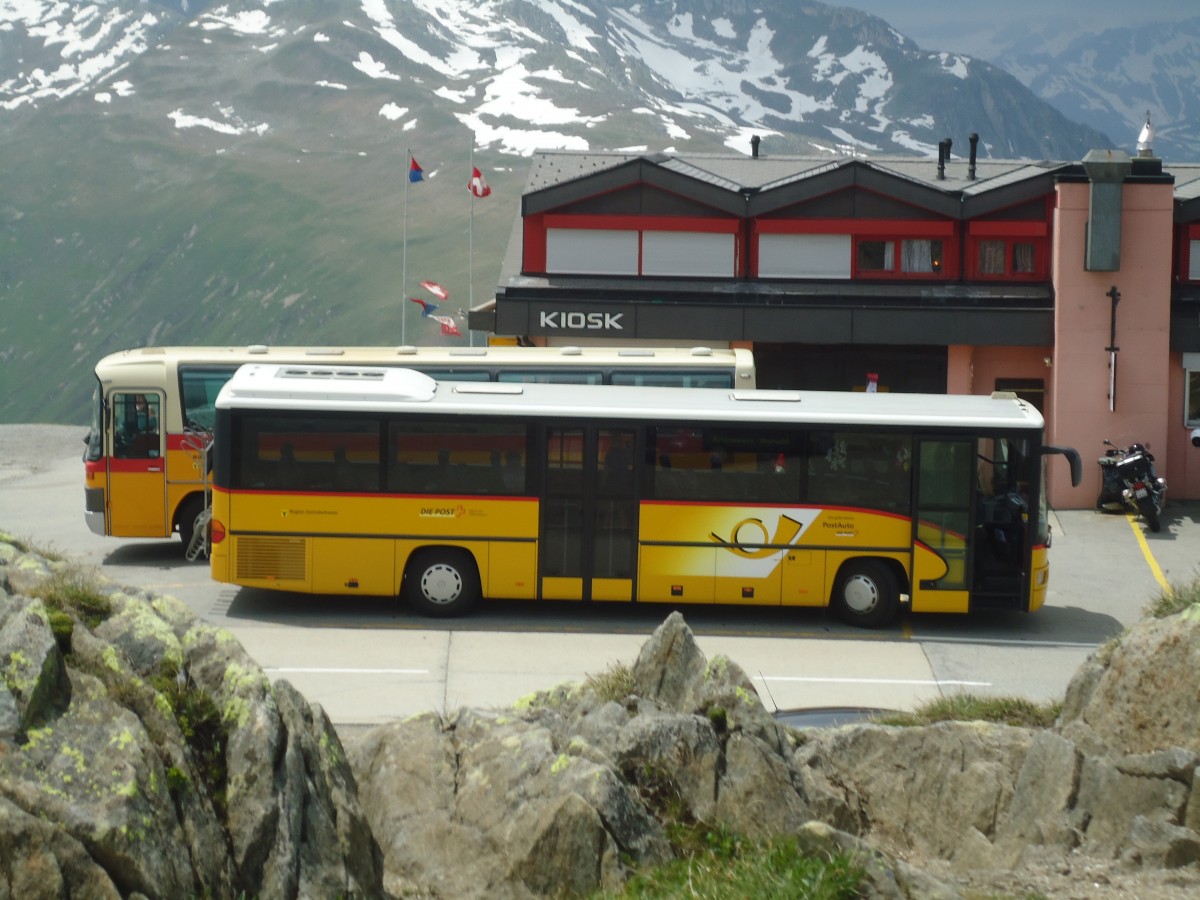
(137, 482)
(942, 524)
(589, 514)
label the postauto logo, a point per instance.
(581, 321)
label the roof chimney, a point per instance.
(944, 146)
(974, 139)
(1146, 138)
(755, 140)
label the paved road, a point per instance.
(370, 660)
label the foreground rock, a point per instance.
(144, 753)
(567, 792)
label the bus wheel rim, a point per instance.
(441, 584)
(861, 594)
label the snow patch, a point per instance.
(232, 124)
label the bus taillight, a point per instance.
(218, 532)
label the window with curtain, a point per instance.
(991, 257)
(921, 256)
(1023, 258)
(876, 256)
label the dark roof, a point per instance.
(558, 177)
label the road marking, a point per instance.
(1008, 642)
(1150, 560)
(895, 681)
(316, 670)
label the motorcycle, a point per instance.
(1128, 481)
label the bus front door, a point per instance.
(137, 479)
(589, 514)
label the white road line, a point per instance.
(915, 681)
(333, 671)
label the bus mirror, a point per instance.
(1072, 456)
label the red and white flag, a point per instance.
(436, 289)
(448, 326)
(477, 185)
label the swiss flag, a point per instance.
(477, 185)
(436, 289)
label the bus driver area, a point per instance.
(626, 494)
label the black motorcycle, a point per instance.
(1128, 481)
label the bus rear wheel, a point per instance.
(866, 594)
(441, 582)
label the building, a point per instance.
(1075, 284)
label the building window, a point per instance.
(918, 256)
(991, 257)
(688, 254)
(922, 256)
(804, 256)
(993, 254)
(590, 251)
(876, 256)
(1022, 259)
(1194, 261)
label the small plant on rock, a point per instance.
(73, 589)
(615, 683)
(201, 725)
(1174, 600)
(969, 708)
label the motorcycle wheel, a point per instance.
(1152, 518)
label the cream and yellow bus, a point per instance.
(359, 480)
(152, 410)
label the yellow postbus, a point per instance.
(353, 480)
(152, 410)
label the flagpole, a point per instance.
(404, 253)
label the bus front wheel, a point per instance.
(441, 582)
(866, 594)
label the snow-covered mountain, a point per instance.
(1104, 63)
(525, 74)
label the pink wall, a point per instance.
(1080, 373)
(974, 370)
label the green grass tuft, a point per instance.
(615, 683)
(73, 589)
(1174, 600)
(732, 868)
(969, 708)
